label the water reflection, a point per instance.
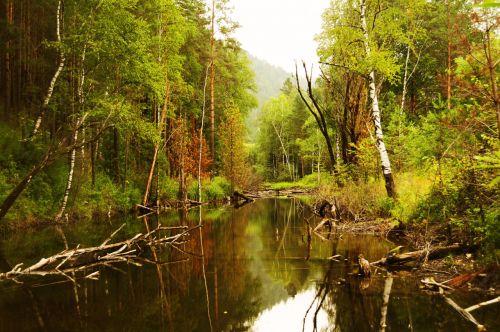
(288, 315)
(264, 272)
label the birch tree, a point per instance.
(384, 156)
(362, 37)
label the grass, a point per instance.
(307, 182)
(369, 199)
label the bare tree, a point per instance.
(317, 112)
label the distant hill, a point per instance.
(269, 79)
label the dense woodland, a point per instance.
(106, 104)
(103, 104)
(401, 117)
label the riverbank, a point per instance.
(411, 222)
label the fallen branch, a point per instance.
(70, 261)
(433, 284)
(432, 253)
(482, 304)
(237, 196)
(464, 313)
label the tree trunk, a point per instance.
(448, 72)
(92, 162)
(285, 153)
(79, 123)
(201, 133)
(14, 194)
(318, 115)
(161, 122)
(182, 172)
(116, 157)
(405, 83)
(52, 84)
(8, 72)
(212, 82)
(70, 178)
(492, 63)
(384, 156)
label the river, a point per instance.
(261, 275)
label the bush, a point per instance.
(212, 189)
(169, 188)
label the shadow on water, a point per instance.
(264, 272)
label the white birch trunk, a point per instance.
(285, 153)
(405, 81)
(62, 61)
(70, 177)
(81, 101)
(379, 142)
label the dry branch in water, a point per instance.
(432, 253)
(79, 259)
(463, 312)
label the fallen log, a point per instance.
(78, 259)
(463, 279)
(237, 196)
(433, 253)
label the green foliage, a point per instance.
(169, 188)
(309, 181)
(105, 197)
(216, 188)
(233, 149)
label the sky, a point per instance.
(279, 31)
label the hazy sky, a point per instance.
(279, 31)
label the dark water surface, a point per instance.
(257, 279)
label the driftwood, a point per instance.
(432, 284)
(462, 279)
(167, 205)
(463, 312)
(433, 253)
(79, 259)
(239, 199)
(483, 304)
(237, 196)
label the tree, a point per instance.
(317, 112)
(232, 131)
(360, 37)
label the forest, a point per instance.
(114, 111)
(109, 104)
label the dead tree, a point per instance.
(79, 259)
(317, 112)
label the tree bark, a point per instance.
(161, 122)
(212, 83)
(492, 63)
(52, 84)
(70, 179)
(285, 153)
(384, 156)
(433, 253)
(448, 72)
(14, 194)
(200, 153)
(8, 72)
(116, 157)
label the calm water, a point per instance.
(257, 277)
